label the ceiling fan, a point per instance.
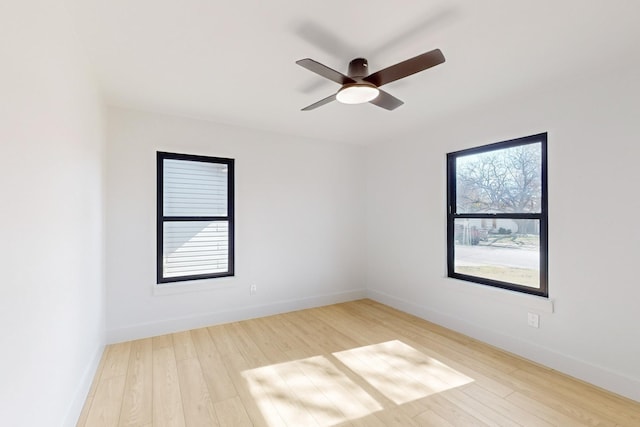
(359, 87)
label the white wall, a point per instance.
(299, 234)
(594, 151)
(51, 218)
(299, 228)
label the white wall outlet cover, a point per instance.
(533, 320)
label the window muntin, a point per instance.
(497, 219)
(195, 217)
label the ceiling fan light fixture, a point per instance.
(357, 93)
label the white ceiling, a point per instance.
(234, 61)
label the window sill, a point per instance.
(203, 285)
(531, 302)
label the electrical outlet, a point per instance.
(253, 289)
(533, 320)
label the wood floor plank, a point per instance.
(84, 414)
(396, 418)
(231, 413)
(137, 400)
(482, 375)
(543, 411)
(215, 372)
(326, 336)
(99, 371)
(490, 355)
(105, 408)
(362, 329)
(576, 392)
(196, 401)
(288, 402)
(183, 345)
(513, 413)
(269, 343)
(117, 360)
(452, 412)
(346, 338)
(245, 345)
(222, 340)
(397, 384)
(428, 371)
(467, 361)
(345, 395)
(82, 419)
(479, 410)
(286, 341)
(368, 421)
(429, 418)
(300, 340)
(167, 399)
(352, 364)
(257, 404)
(584, 411)
(162, 341)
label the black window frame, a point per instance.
(161, 218)
(542, 216)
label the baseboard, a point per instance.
(580, 369)
(166, 326)
(80, 396)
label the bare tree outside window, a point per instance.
(502, 181)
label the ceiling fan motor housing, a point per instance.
(359, 67)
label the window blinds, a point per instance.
(195, 247)
(194, 188)
(195, 225)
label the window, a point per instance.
(194, 217)
(497, 219)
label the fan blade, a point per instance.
(324, 71)
(419, 27)
(406, 68)
(320, 103)
(327, 41)
(386, 101)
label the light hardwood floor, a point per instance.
(353, 364)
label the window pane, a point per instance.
(195, 247)
(194, 188)
(507, 250)
(507, 180)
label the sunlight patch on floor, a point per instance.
(318, 391)
(308, 392)
(400, 372)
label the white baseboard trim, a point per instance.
(166, 326)
(581, 369)
(80, 396)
